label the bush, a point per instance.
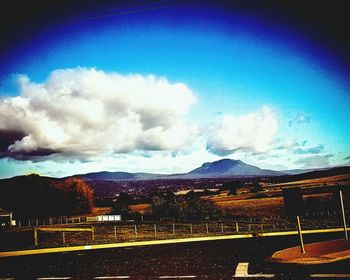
(189, 207)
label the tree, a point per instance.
(231, 186)
(76, 194)
(122, 204)
(257, 187)
(189, 207)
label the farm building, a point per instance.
(104, 218)
(5, 219)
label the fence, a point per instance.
(63, 230)
(70, 234)
(79, 220)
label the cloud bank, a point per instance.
(84, 112)
(252, 133)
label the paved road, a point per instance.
(202, 260)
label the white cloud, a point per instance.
(253, 133)
(314, 161)
(85, 112)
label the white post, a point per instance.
(343, 214)
(300, 236)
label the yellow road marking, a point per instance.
(120, 245)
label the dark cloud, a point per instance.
(314, 150)
(347, 158)
(35, 155)
(8, 137)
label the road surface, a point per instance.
(201, 260)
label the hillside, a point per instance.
(36, 196)
(313, 174)
(118, 175)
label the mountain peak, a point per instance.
(231, 167)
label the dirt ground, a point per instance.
(323, 250)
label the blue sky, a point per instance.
(242, 76)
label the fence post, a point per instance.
(29, 223)
(173, 229)
(19, 223)
(222, 228)
(63, 237)
(155, 230)
(115, 232)
(35, 236)
(92, 233)
(36, 222)
(237, 229)
(262, 227)
(191, 230)
(207, 228)
(135, 231)
(249, 228)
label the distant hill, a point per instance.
(221, 168)
(313, 174)
(119, 175)
(225, 168)
(231, 168)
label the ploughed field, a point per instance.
(317, 197)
